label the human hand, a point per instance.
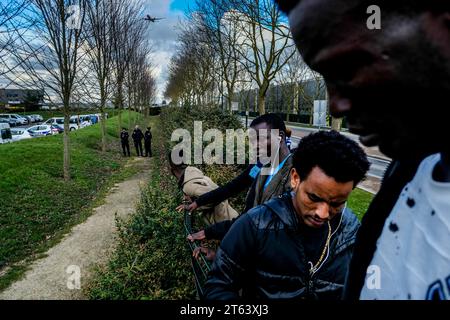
(198, 236)
(209, 253)
(189, 207)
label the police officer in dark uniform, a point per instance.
(137, 137)
(125, 143)
(148, 142)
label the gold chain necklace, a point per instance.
(313, 268)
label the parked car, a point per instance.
(22, 119)
(41, 130)
(85, 123)
(30, 118)
(82, 120)
(57, 128)
(18, 119)
(20, 134)
(11, 121)
(95, 118)
(5, 133)
(72, 124)
(38, 117)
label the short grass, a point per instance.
(36, 206)
(359, 201)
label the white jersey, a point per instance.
(412, 260)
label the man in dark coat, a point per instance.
(299, 245)
(124, 140)
(148, 142)
(251, 180)
(383, 66)
(137, 137)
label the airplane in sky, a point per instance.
(152, 19)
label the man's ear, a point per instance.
(295, 179)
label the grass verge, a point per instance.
(359, 201)
(36, 206)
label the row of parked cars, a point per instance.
(49, 127)
(9, 134)
(17, 120)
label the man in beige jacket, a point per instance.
(194, 184)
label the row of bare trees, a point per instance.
(91, 51)
(230, 46)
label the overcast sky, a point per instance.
(163, 34)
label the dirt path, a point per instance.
(87, 244)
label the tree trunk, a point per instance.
(230, 105)
(66, 149)
(261, 104)
(103, 125)
(129, 114)
(119, 104)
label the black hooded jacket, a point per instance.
(266, 253)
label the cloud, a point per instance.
(163, 37)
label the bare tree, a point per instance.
(314, 93)
(51, 58)
(99, 35)
(220, 23)
(146, 90)
(266, 38)
(290, 79)
(129, 29)
(191, 70)
(138, 66)
(11, 26)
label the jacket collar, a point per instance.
(276, 185)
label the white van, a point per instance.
(5, 133)
(72, 122)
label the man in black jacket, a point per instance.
(382, 78)
(148, 142)
(300, 244)
(124, 142)
(249, 179)
(137, 137)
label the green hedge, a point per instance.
(152, 260)
(37, 207)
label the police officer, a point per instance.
(137, 137)
(148, 142)
(124, 140)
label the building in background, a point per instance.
(21, 99)
(295, 99)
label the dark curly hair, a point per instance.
(338, 156)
